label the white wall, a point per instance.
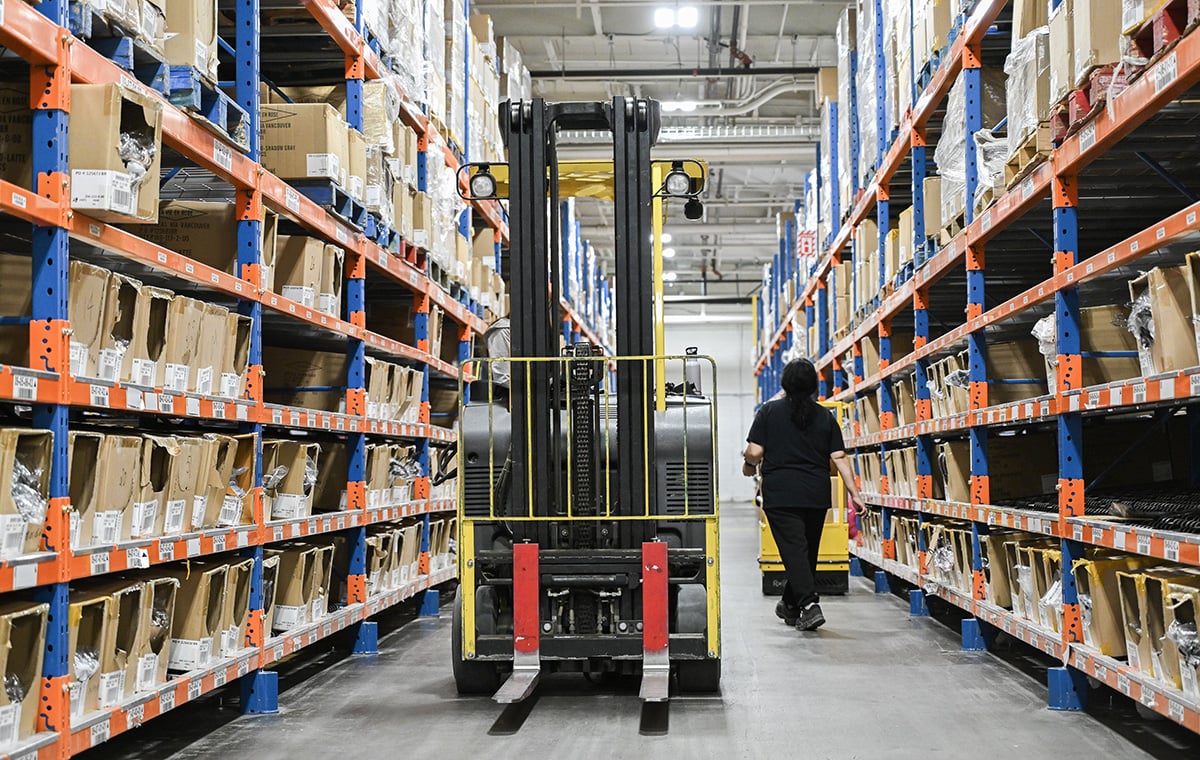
(731, 346)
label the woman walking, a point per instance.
(793, 440)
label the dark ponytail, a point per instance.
(800, 384)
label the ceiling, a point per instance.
(757, 131)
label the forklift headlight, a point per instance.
(678, 183)
(483, 184)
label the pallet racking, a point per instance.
(41, 36)
(1066, 233)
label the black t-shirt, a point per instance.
(795, 466)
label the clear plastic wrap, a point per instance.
(160, 623)
(236, 489)
(1025, 582)
(949, 153)
(1045, 331)
(1141, 322)
(1085, 616)
(868, 102)
(959, 378)
(27, 495)
(14, 688)
(310, 474)
(1026, 65)
(847, 31)
(435, 58)
(87, 664)
(271, 480)
(991, 154)
(1186, 639)
(1050, 604)
(137, 150)
(942, 556)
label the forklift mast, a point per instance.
(529, 129)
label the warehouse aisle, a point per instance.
(870, 678)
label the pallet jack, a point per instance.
(833, 554)
(587, 509)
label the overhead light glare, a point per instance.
(666, 237)
(664, 18)
(686, 106)
(687, 17)
(669, 276)
(668, 253)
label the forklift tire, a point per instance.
(691, 609)
(470, 677)
(699, 676)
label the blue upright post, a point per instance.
(919, 168)
(835, 200)
(882, 585)
(916, 603)
(48, 350)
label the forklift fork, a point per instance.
(527, 659)
(656, 654)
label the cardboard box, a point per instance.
(83, 466)
(206, 231)
(196, 627)
(158, 614)
(103, 183)
(193, 36)
(1096, 579)
(322, 580)
(183, 347)
(1102, 329)
(329, 494)
(157, 461)
(1027, 16)
(1097, 36)
(119, 660)
(1062, 50)
(270, 589)
(290, 470)
(144, 361)
(23, 633)
(933, 205)
(88, 292)
(235, 611)
(288, 369)
(187, 479)
(88, 619)
(298, 266)
(1172, 343)
(225, 499)
(304, 141)
(1134, 13)
(1015, 370)
(329, 291)
(25, 460)
(210, 353)
(152, 25)
(380, 106)
(236, 360)
(118, 488)
(293, 586)
(16, 134)
(422, 221)
(1142, 614)
(356, 180)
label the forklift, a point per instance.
(587, 505)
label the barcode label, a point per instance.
(166, 404)
(135, 715)
(1139, 393)
(166, 551)
(1087, 137)
(231, 384)
(1171, 550)
(100, 563)
(112, 688)
(166, 701)
(222, 155)
(219, 543)
(243, 668)
(137, 558)
(291, 199)
(1194, 384)
(1143, 544)
(147, 672)
(10, 724)
(1077, 532)
(219, 678)
(231, 510)
(1165, 73)
(13, 536)
(144, 371)
(24, 387)
(99, 732)
(195, 689)
(173, 522)
(218, 408)
(99, 395)
(1175, 710)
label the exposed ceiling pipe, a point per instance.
(754, 102)
(645, 74)
(733, 35)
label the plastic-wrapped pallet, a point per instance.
(1027, 90)
(406, 27)
(824, 179)
(847, 32)
(898, 53)
(949, 154)
(868, 102)
(991, 152)
(435, 59)
(456, 69)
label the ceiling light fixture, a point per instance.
(686, 106)
(668, 253)
(664, 18)
(666, 237)
(687, 17)
(669, 276)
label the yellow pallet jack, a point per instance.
(833, 555)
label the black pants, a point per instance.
(797, 533)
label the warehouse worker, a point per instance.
(794, 439)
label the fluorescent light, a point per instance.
(687, 17)
(687, 106)
(668, 253)
(664, 18)
(666, 237)
(669, 276)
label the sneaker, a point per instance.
(811, 618)
(787, 613)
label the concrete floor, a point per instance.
(873, 683)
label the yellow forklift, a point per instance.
(833, 556)
(587, 509)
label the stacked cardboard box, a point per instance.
(1166, 301)
(25, 461)
(317, 380)
(1102, 330)
(141, 486)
